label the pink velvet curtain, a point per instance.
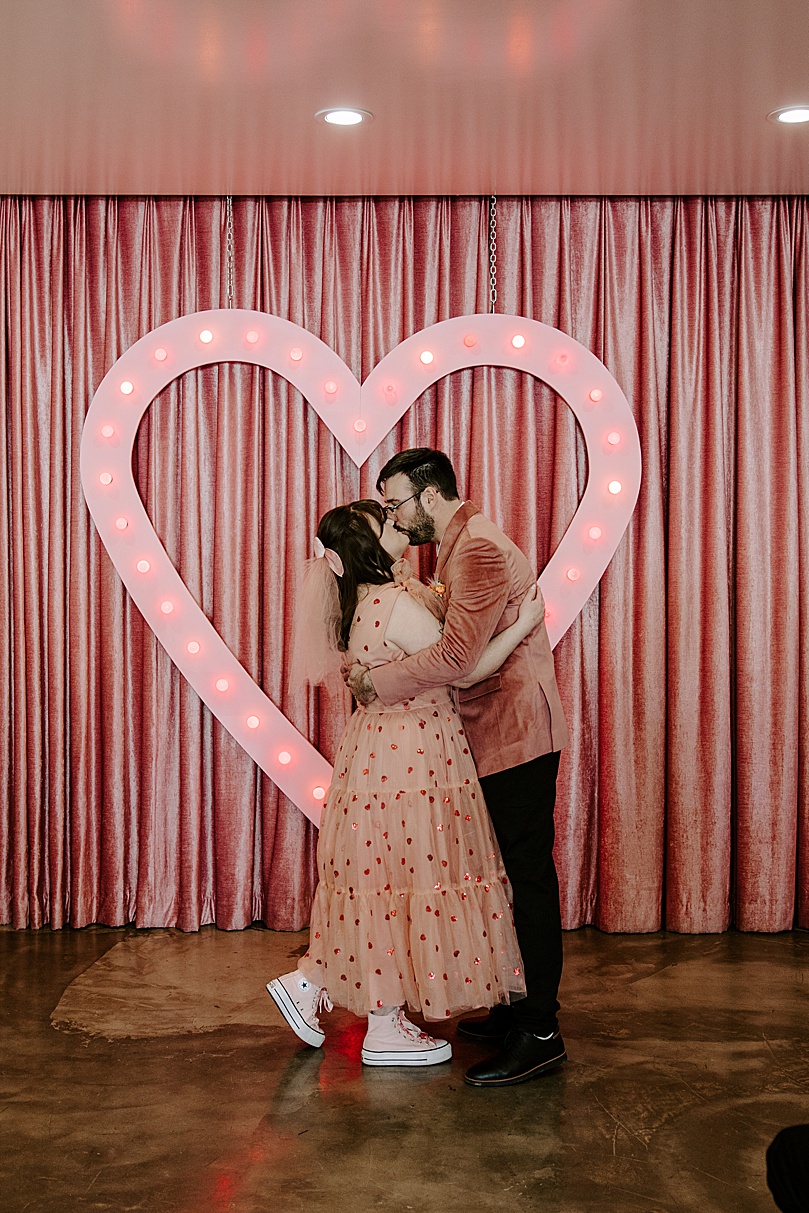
(683, 796)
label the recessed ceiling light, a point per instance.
(344, 117)
(790, 114)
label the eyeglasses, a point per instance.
(390, 510)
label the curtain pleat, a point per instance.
(683, 795)
(766, 573)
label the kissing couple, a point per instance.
(438, 891)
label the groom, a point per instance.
(516, 728)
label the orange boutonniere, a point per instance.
(437, 587)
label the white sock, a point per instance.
(383, 1010)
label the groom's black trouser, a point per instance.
(520, 803)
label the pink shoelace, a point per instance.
(323, 1002)
(409, 1029)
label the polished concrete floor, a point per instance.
(149, 1070)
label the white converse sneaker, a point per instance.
(299, 1001)
(392, 1040)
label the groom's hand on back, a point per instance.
(358, 680)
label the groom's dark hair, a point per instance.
(423, 467)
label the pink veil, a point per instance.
(316, 656)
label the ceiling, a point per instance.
(468, 96)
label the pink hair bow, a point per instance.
(332, 559)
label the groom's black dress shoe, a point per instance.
(492, 1030)
(523, 1057)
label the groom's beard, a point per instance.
(421, 529)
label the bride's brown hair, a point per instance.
(347, 530)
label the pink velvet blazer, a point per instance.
(516, 714)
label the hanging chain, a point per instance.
(492, 251)
(229, 249)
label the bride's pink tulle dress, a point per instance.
(413, 903)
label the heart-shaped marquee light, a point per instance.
(359, 417)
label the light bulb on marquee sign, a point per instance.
(359, 417)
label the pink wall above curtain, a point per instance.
(683, 797)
